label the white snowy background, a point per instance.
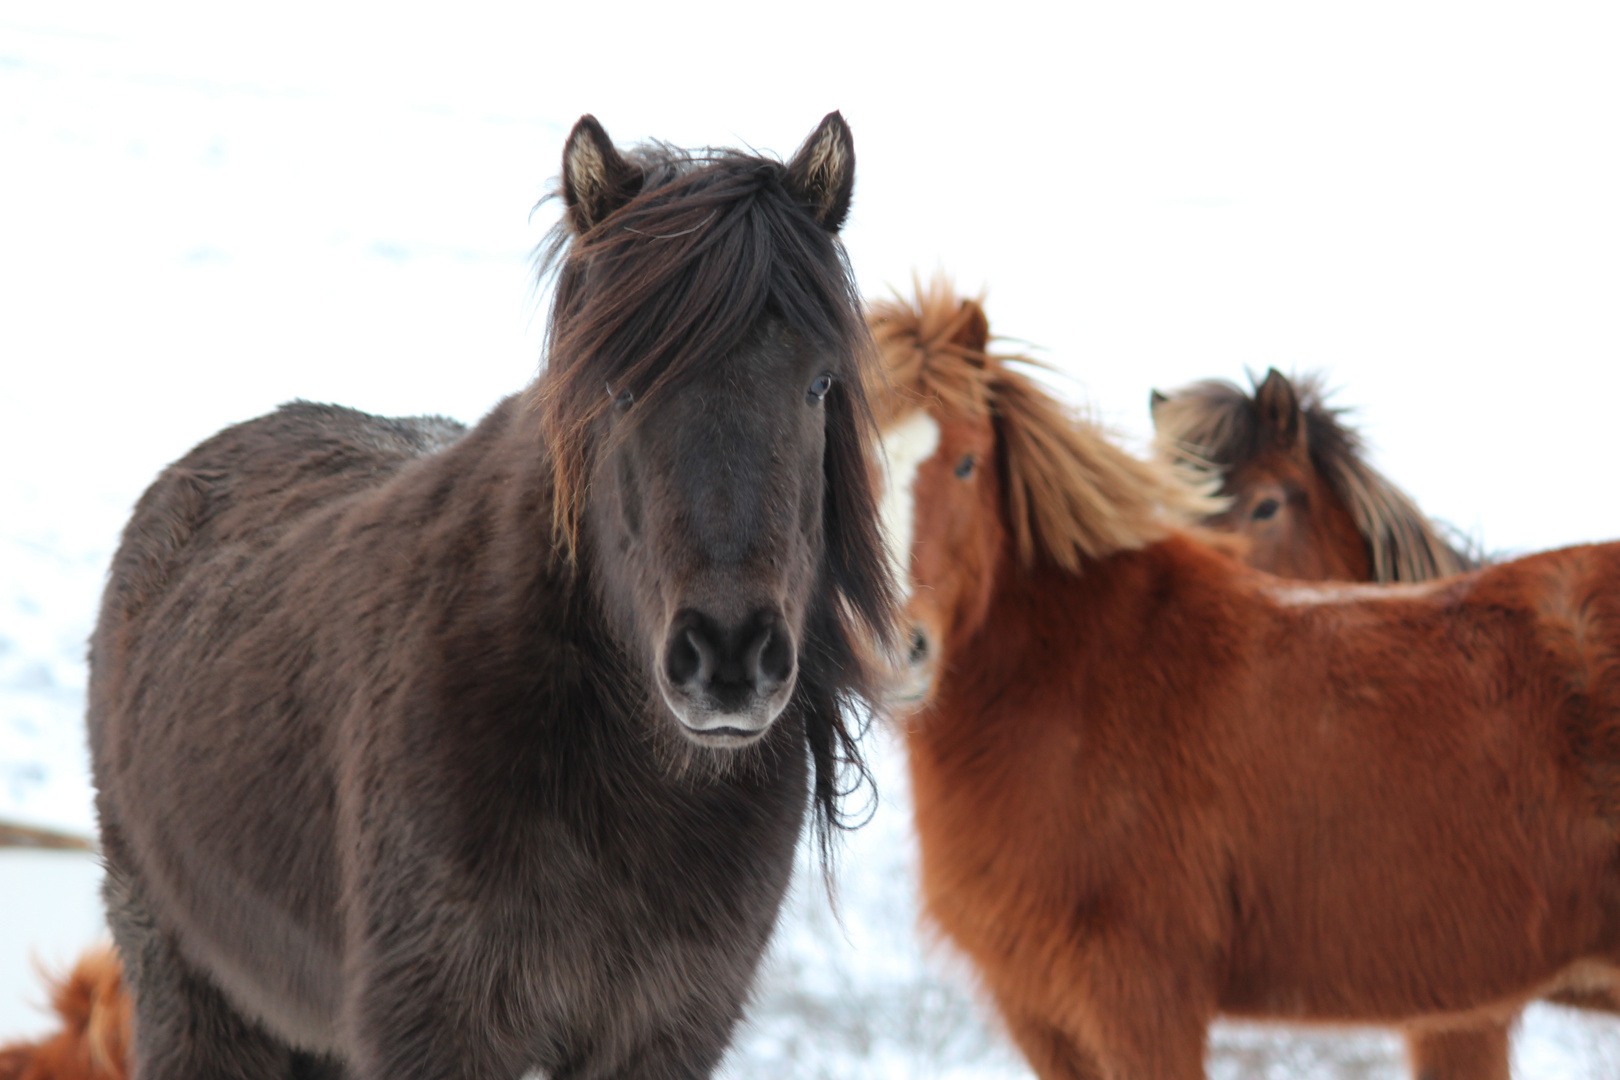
(207, 209)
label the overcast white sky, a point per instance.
(207, 209)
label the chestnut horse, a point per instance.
(431, 753)
(1310, 507)
(93, 1041)
(1153, 785)
(1301, 491)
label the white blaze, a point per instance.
(905, 447)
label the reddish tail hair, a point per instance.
(94, 1041)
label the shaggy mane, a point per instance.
(1215, 426)
(713, 242)
(1072, 493)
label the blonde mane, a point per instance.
(1215, 426)
(1072, 493)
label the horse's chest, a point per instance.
(609, 942)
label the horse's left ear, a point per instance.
(1278, 406)
(822, 173)
(596, 180)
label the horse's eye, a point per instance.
(623, 399)
(1266, 509)
(820, 385)
(964, 468)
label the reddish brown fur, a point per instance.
(1262, 447)
(95, 1033)
(1167, 786)
(1301, 491)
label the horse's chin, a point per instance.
(908, 689)
(724, 738)
(717, 730)
(908, 677)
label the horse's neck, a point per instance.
(1053, 643)
(481, 513)
(1067, 686)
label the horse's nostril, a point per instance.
(729, 665)
(776, 657)
(919, 646)
(684, 660)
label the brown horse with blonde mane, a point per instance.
(1154, 785)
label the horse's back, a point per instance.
(1573, 597)
(252, 481)
(1472, 721)
(211, 524)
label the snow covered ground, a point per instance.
(205, 213)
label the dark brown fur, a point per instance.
(389, 783)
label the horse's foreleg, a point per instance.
(410, 1018)
(1143, 1014)
(1473, 1053)
(1052, 1054)
(184, 1028)
(689, 1048)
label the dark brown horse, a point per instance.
(1302, 493)
(432, 753)
(1154, 785)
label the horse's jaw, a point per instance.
(908, 674)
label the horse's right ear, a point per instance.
(1278, 406)
(822, 173)
(973, 335)
(595, 180)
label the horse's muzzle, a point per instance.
(727, 683)
(912, 676)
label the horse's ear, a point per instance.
(822, 174)
(1278, 406)
(1155, 399)
(974, 334)
(595, 180)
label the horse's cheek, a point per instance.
(981, 547)
(812, 497)
(629, 496)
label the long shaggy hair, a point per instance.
(1214, 425)
(1072, 494)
